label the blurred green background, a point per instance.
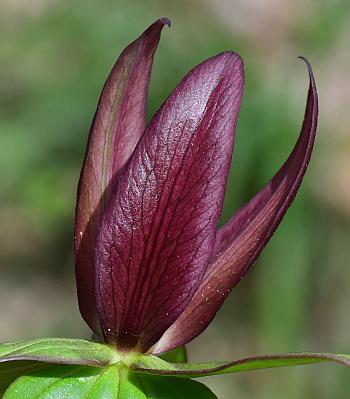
(54, 58)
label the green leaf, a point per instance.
(9, 371)
(155, 365)
(113, 382)
(63, 381)
(177, 355)
(17, 358)
(156, 387)
(58, 350)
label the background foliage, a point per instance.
(54, 57)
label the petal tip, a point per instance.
(231, 58)
(230, 54)
(165, 21)
(301, 57)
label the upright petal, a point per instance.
(158, 232)
(241, 240)
(118, 124)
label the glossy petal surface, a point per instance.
(241, 240)
(118, 124)
(159, 231)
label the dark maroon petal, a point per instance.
(118, 124)
(241, 240)
(159, 230)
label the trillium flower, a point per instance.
(152, 267)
